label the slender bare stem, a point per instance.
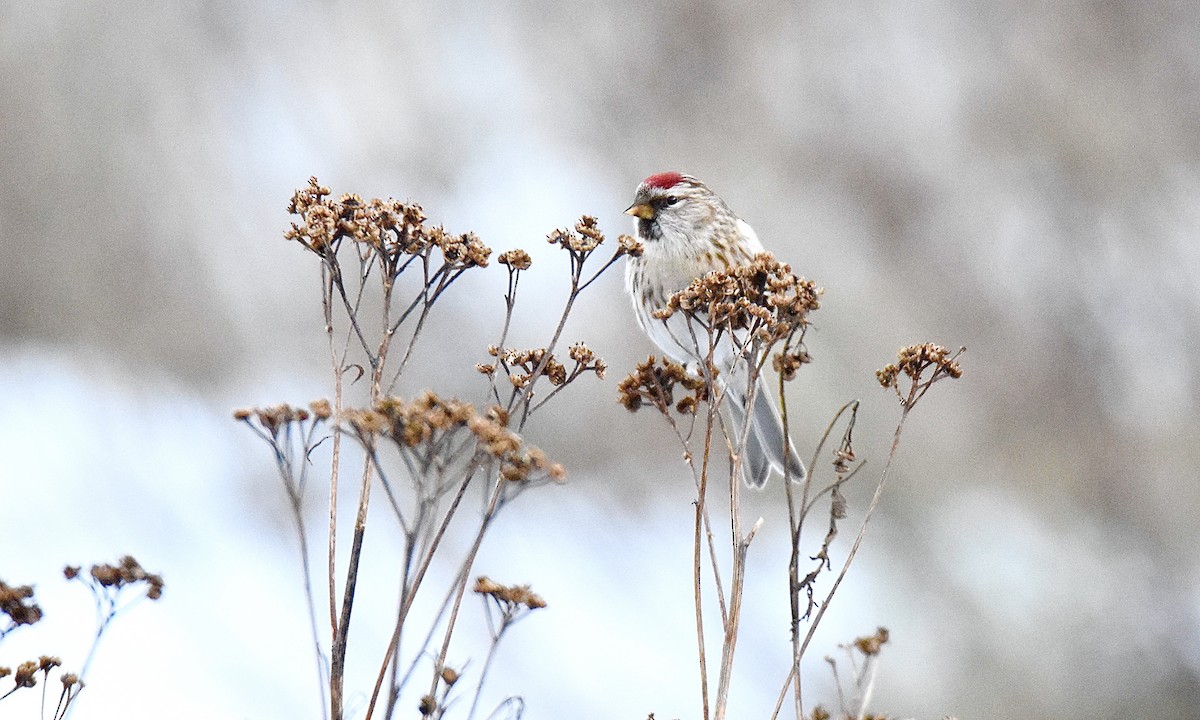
(794, 673)
(426, 561)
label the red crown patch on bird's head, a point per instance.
(664, 180)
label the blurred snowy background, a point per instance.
(1022, 179)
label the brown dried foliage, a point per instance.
(513, 596)
(913, 361)
(16, 601)
(390, 227)
(656, 382)
(763, 296)
(126, 573)
(429, 419)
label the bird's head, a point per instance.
(670, 202)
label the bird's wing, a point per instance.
(752, 241)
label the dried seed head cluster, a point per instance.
(25, 675)
(787, 362)
(515, 259)
(117, 577)
(913, 361)
(510, 596)
(411, 423)
(872, 644)
(586, 360)
(657, 382)
(522, 365)
(16, 601)
(763, 295)
(630, 246)
(427, 420)
(390, 227)
(586, 237)
(277, 417)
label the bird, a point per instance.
(688, 231)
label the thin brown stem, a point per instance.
(465, 572)
(794, 673)
(426, 561)
(701, 494)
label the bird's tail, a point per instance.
(766, 441)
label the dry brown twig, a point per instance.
(429, 453)
(762, 311)
(114, 588)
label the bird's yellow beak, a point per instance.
(640, 210)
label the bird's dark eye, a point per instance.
(671, 200)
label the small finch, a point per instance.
(687, 232)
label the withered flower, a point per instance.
(585, 238)
(16, 601)
(656, 383)
(126, 573)
(872, 644)
(515, 259)
(513, 596)
(630, 246)
(913, 361)
(763, 296)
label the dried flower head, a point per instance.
(630, 246)
(321, 409)
(26, 675)
(763, 296)
(657, 382)
(585, 238)
(913, 361)
(524, 365)
(515, 259)
(16, 601)
(787, 362)
(872, 644)
(275, 419)
(389, 227)
(464, 250)
(586, 360)
(508, 595)
(126, 573)
(429, 419)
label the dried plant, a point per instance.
(115, 588)
(383, 269)
(751, 313)
(862, 656)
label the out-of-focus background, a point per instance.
(1020, 179)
